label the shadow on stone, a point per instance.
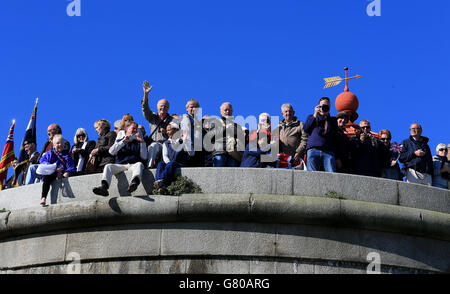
(122, 184)
(145, 197)
(114, 205)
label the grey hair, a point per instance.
(286, 105)
(57, 136)
(118, 124)
(439, 146)
(79, 132)
(264, 114)
(364, 120)
(224, 104)
(192, 101)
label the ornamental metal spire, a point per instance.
(333, 81)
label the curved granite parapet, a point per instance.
(244, 181)
(246, 221)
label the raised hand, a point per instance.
(147, 88)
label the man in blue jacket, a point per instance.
(416, 157)
(321, 129)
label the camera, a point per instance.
(324, 108)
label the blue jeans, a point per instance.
(319, 160)
(224, 160)
(32, 175)
(166, 171)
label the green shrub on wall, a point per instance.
(181, 185)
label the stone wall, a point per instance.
(247, 221)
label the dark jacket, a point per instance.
(23, 169)
(423, 164)
(129, 153)
(105, 142)
(83, 152)
(228, 137)
(368, 157)
(318, 137)
(343, 151)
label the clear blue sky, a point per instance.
(255, 54)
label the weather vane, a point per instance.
(333, 81)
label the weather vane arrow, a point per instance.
(333, 81)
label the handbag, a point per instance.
(91, 165)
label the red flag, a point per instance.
(7, 156)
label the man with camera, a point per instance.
(368, 153)
(130, 153)
(322, 140)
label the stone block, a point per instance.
(295, 209)
(214, 206)
(32, 250)
(115, 242)
(421, 196)
(21, 197)
(317, 242)
(406, 251)
(352, 187)
(244, 239)
(148, 208)
(241, 180)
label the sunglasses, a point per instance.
(385, 139)
(365, 127)
(442, 149)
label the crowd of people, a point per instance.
(320, 143)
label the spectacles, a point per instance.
(385, 139)
(442, 149)
(365, 127)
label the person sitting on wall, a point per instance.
(81, 150)
(158, 123)
(416, 157)
(368, 152)
(176, 153)
(100, 156)
(55, 164)
(321, 129)
(441, 166)
(130, 152)
(52, 130)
